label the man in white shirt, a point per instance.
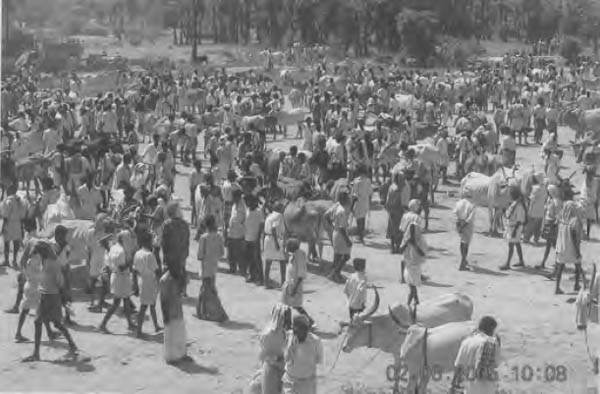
(51, 137)
(304, 351)
(149, 158)
(90, 198)
(191, 142)
(253, 226)
(477, 360)
(465, 222)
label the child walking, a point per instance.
(146, 268)
(32, 272)
(99, 271)
(292, 289)
(516, 219)
(356, 288)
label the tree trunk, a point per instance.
(215, 23)
(5, 22)
(194, 31)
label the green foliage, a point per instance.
(358, 27)
(418, 32)
(571, 48)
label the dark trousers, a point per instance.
(235, 250)
(156, 251)
(533, 228)
(193, 205)
(254, 260)
(360, 224)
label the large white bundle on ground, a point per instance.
(476, 186)
(79, 237)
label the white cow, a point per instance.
(403, 101)
(27, 144)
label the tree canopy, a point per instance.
(356, 26)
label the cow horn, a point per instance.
(396, 320)
(373, 307)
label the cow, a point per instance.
(582, 120)
(305, 221)
(32, 168)
(257, 122)
(296, 98)
(8, 175)
(407, 102)
(26, 144)
(381, 331)
(291, 117)
(484, 164)
(427, 350)
(495, 191)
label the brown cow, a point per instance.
(32, 168)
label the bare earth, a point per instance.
(537, 327)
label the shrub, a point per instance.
(73, 26)
(571, 48)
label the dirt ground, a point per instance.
(537, 327)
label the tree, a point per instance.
(417, 29)
(589, 12)
(8, 7)
(570, 49)
(198, 9)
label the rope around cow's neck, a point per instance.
(337, 356)
(326, 376)
(589, 353)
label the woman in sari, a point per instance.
(272, 346)
(171, 286)
(394, 204)
(211, 248)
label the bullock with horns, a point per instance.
(387, 331)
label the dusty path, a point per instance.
(537, 327)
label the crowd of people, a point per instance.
(146, 256)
